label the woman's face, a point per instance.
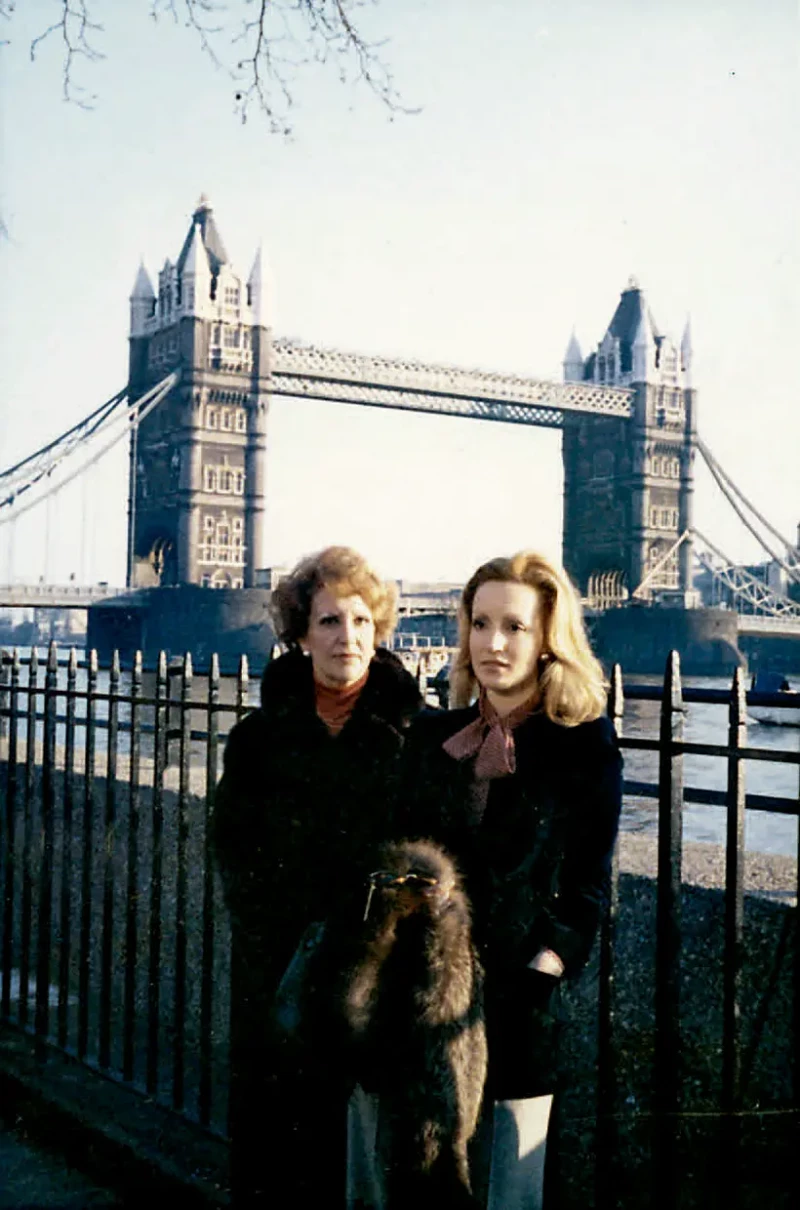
(505, 641)
(340, 638)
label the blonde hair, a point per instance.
(345, 573)
(571, 682)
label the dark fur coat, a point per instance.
(296, 815)
(298, 810)
(536, 862)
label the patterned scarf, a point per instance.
(490, 739)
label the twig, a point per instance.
(76, 27)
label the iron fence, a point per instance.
(114, 939)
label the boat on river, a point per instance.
(783, 713)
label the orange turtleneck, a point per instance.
(334, 706)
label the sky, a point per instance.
(557, 147)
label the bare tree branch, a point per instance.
(76, 27)
(263, 46)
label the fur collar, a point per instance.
(390, 694)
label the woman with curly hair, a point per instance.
(521, 782)
(301, 804)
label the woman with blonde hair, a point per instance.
(522, 782)
(301, 805)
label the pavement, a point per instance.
(31, 1176)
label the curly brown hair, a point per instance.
(344, 572)
(572, 685)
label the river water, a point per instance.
(765, 832)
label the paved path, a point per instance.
(31, 1177)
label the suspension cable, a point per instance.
(709, 457)
(109, 406)
(786, 603)
(713, 466)
(135, 415)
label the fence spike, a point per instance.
(72, 662)
(52, 657)
(616, 697)
(738, 707)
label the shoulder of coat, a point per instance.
(391, 693)
(433, 727)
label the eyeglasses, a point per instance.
(386, 880)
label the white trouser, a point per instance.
(365, 1189)
(517, 1141)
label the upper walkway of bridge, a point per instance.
(306, 372)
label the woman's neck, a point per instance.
(505, 703)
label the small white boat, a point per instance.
(778, 715)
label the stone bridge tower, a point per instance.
(196, 495)
(628, 484)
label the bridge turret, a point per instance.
(573, 360)
(197, 497)
(142, 300)
(628, 484)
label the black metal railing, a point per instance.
(112, 918)
(110, 913)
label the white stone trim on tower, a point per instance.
(196, 280)
(644, 348)
(259, 291)
(687, 353)
(142, 300)
(573, 360)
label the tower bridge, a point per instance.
(204, 364)
(627, 413)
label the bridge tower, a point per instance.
(628, 484)
(197, 462)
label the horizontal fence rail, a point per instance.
(114, 941)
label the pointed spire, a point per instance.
(143, 287)
(259, 291)
(143, 302)
(573, 360)
(196, 262)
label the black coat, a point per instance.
(297, 810)
(296, 815)
(536, 861)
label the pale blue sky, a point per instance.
(561, 146)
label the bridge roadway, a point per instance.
(57, 596)
(303, 372)
(75, 596)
